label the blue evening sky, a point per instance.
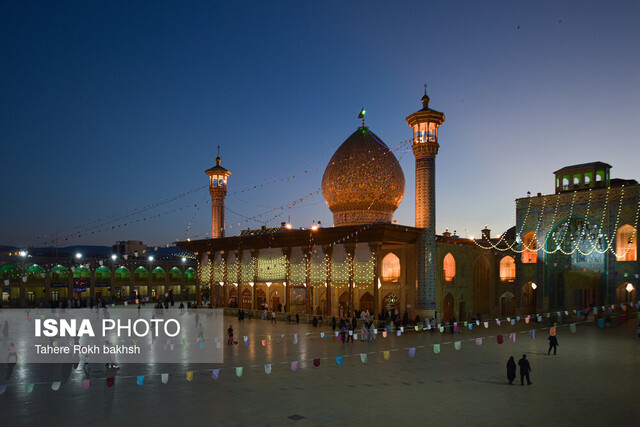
(109, 108)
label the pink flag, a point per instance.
(500, 339)
(294, 365)
(512, 337)
(85, 384)
(478, 341)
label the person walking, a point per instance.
(525, 368)
(333, 323)
(511, 370)
(230, 331)
(553, 344)
(273, 317)
(297, 319)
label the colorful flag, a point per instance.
(436, 348)
(532, 334)
(457, 345)
(190, 376)
(478, 341)
(239, 371)
(499, 339)
(316, 362)
(294, 365)
(140, 379)
(339, 360)
(215, 374)
(267, 368)
(165, 378)
(363, 357)
(55, 386)
(512, 336)
(412, 352)
(85, 384)
(386, 354)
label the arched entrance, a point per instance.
(527, 297)
(625, 293)
(261, 299)
(481, 286)
(448, 307)
(247, 301)
(366, 302)
(507, 304)
(233, 297)
(343, 303)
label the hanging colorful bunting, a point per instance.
(339, 360)
(215, 374)
(572, 327)
(601, 323)
(457, 345)
(412, 352)
(316, 362)
(386, 354)
(55, 386)
(436, 348)
(363, 357)
(85, 384)
(512, 337)
(532, 334)
(552, 330)
(140, 379)
(267, 368)
(294, 365)
(110, 382)
(29, 387)
(478, 341)
(500, 339)
(239, 371)
(164, 378)
(190, 376)
(486, 325)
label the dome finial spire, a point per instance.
(425, 99)
(218, 158)
(361, 115)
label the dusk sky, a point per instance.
(109, 110)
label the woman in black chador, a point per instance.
(511, 370)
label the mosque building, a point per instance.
(365, 261)
(568, 250)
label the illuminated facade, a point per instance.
(579, 245)
(570, 249)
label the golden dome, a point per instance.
(363, 183)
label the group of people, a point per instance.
(525, 367)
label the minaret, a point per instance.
(218, 190)
(425, 123)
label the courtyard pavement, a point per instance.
(591, 381)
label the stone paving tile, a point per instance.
(592, 381)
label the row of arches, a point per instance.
(507, 268)
(60, 273)
(626, 245)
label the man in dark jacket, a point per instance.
(525, 368)
(553, 344)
